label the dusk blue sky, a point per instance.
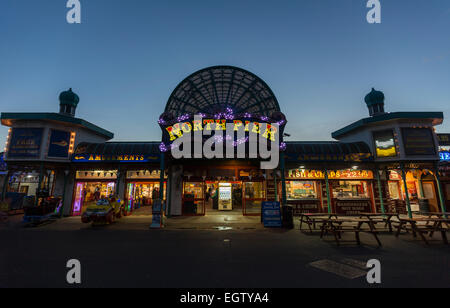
(320, 57)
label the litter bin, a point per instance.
(424, 206)
(288, 217)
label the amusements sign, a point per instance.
(25, 143)
(59, 144)
(94, 158)
(418, 141)
(271, 212)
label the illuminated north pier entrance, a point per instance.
(209, 101)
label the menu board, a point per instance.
(25, 143)
(59, 144)
(352, 207)
(271, 213)
(418, 141)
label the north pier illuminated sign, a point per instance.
(177, 130)
(223, 135)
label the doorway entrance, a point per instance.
(89, 192)
(223, 197)
(429, 193)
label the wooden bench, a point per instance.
(431, 225)
(385, 218)
(337, 226)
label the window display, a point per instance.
(87, 193)
(301, 190)
(254, 190)
(350, 190)
(394, 190)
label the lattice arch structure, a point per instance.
(215, 88)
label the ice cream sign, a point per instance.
(445, 156)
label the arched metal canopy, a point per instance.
(215, 88)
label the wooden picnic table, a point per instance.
(382, 217)
(337, 227)
(311, 219)
(423, 229)
(437, 214)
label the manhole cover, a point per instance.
(221, 228)
(339, 269)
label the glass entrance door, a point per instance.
(254, 195)
(193, 199)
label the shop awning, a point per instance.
(124, 152)
(327, 151)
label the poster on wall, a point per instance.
(59, 144)
(385, 143)
(25, 143)
(418, 141)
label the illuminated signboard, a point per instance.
(385, 143)
(59, 144)
(444, 139)
(177, 130)
(3, 166)
(223, 128)
(445, 156)
(418, 141)
(25, 143)
(93, 158)
(332, 174)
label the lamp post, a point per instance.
(440, 192)
(66, 174)
(380, 192)
(327, 184)
(405, 186)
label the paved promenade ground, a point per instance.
(217, 251)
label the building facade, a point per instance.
(387, 162)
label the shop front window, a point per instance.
(88, 193)
(297, 190)
(142, 194)
(394, 190)
(350, 190)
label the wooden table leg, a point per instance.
(389, 223)
(400, 226)
(373, 230)
(444, 236)
(435, 227)
(416, 230)
(333, 229)
(323, 229)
